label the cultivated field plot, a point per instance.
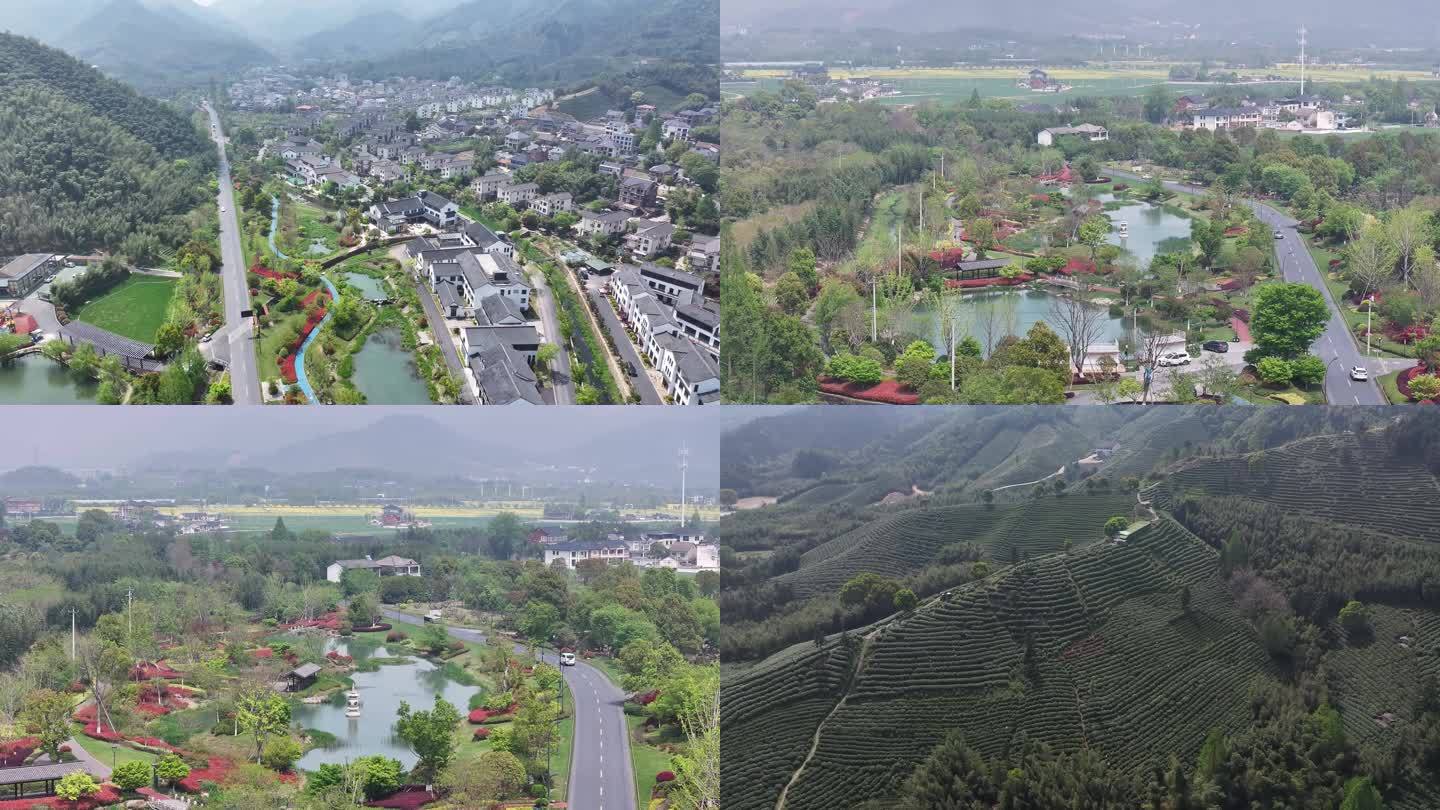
(899, 544)
(1114, 650)
(135, 308)
(1399, 498)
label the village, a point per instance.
(406, 242)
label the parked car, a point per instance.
(1217, 346)
(434, 616)
(1359, 373)
(630, 369)
(1173, 359)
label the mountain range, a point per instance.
(164, 45)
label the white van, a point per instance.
(434, 616)
(567, 659)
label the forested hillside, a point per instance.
(87, 162)
(560, 42)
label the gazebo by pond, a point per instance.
(34, 780)
(301, 677)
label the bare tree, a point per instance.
(1407, 229)
(1148, 353)
(954, 317)
(1078, 322)
(1371, 261)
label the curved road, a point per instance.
(1335, 345)
(238, 331)
(601, 776)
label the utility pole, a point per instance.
(72, 634)
(129, 600)
(874, 310)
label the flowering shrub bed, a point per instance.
(85, 714)
(263, 652)
(265, 272)
(145, 671)
(1402, 382)
(481, 733)
(972, 283)
(15, 752)
(665, 776)
(478, 716)
(405, 798)
(215, 771)
(328, 621)
(101, 733)
(887, 391)
(1407, 335)
(338, 658)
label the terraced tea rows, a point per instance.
(1308, 476)
(1120, 668)
(899, 544)
(769, 714)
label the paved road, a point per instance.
(601, 776)
(561, 381)
(1335, 345)
(238, 331)
(93, 766)
(612, 324)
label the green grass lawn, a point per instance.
(134, 308)
(647, 762)
(1390, 389)
(102, 751)
(311, 224)
(560, 758)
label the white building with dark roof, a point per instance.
(427, 206)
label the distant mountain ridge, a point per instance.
(161, 46)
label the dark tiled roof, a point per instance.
(38, 773)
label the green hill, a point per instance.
(1268, 638)
(87, 162)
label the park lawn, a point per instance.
(102, 751)
(135, 308)
(310, 223)
(607, 666)
(1391, 389)
(646, 760)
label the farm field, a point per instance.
(135, 308)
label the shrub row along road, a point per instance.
(1335, 345)
(601, 774)
(238, 331)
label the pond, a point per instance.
(417, 683)
(385, 373)
(1001, 312)
(1150, 228)
(370, 288)
(37, 380)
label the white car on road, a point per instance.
(1359, 374)
(567, 659)
(1173, 359)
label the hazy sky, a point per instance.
(84, 436)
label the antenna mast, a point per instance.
(684, 465)
(1302, 61)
